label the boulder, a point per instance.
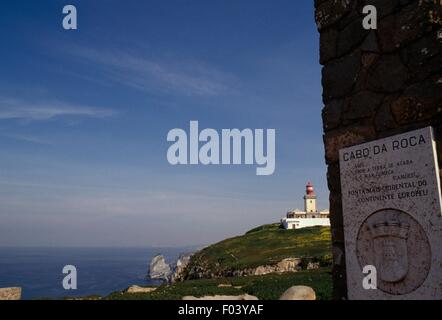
(13, 293)
(222, 297)
(298, 293)
(262, 270)
(289, 265)
(138, 289)
(159, 269)
(285, 265)
(313, 265)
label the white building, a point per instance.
(310, 217)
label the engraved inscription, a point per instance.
(392, 216)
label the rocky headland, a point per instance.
(159, 269)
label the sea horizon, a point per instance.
(100, 270)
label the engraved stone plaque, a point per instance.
(392, 216)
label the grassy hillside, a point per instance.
(265, 245)
(266, 287)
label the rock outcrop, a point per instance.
(159, 269)
(13, 293)
(313, 265)
(138, 289)
(285, 265)
(298, 293)
(180, 267)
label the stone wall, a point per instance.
(376, 83)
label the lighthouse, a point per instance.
(310, 217)
(309, 198)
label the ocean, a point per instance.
(39, 271)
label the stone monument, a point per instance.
(377, 83)
(392, 216)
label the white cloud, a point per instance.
(187, 78)
(27, 138)
(23, 110)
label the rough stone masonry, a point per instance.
(376, 83)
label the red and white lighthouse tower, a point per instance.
(310, 199)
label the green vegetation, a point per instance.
(265, 245)
(266, 287)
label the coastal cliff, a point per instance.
(159, 269)
(264, 263)
(263, 250)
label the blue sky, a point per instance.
(84, 117)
